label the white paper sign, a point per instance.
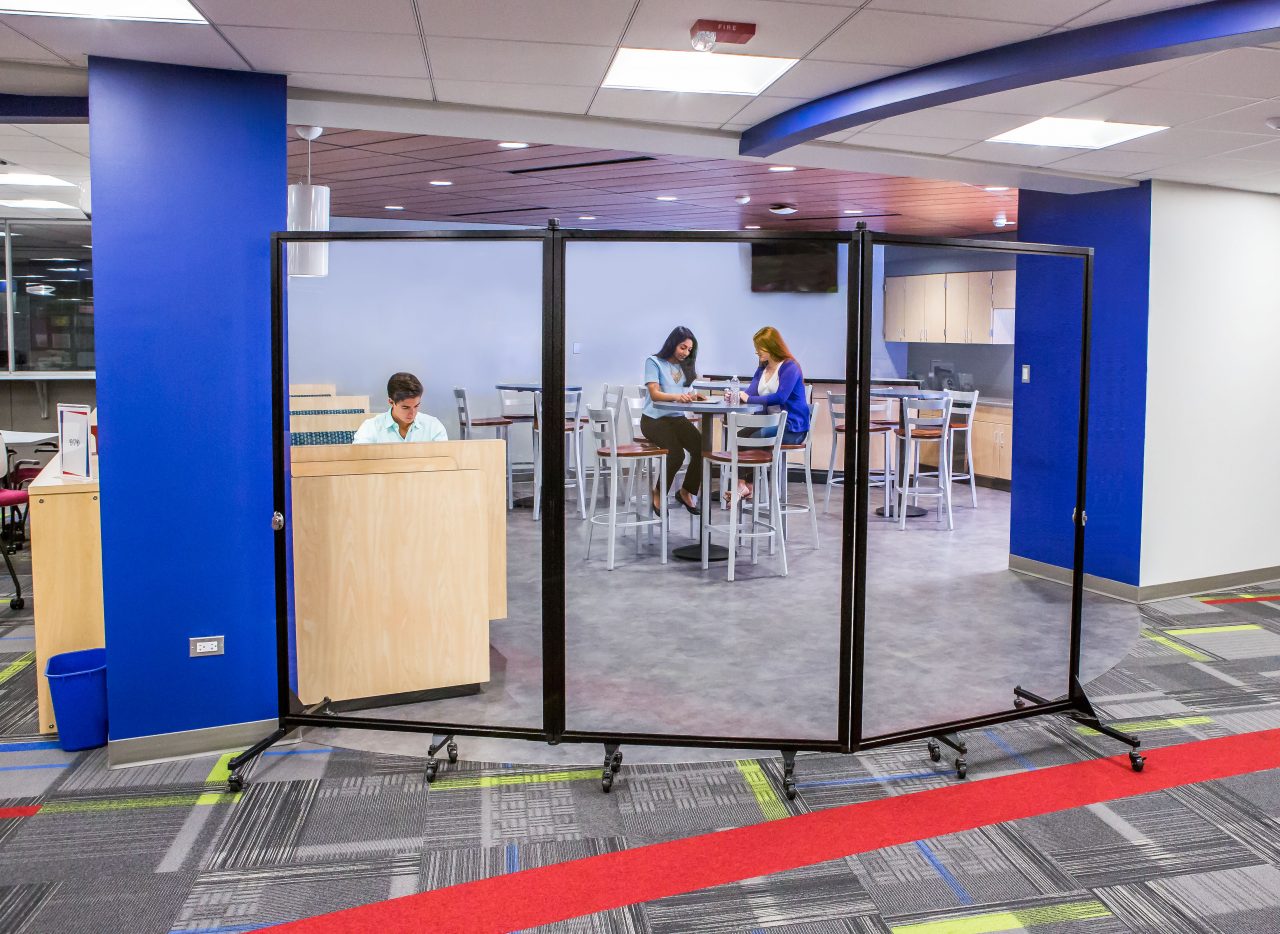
(73, 439)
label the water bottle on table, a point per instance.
(733, 393)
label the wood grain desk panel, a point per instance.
(396, 465)
(66, 571)
(348, 422)
(384, 605)
(305, 404)
(487, 455)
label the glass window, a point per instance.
(52, 288)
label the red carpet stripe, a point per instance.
(580, 887)
(29, 811)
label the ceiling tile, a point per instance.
(172, 43)
(883, 38)
(893, 141)
(1153, 106)
(599, 22)
(951, 124)
(1015, 153)
(762, 108)
(1121, 9)
(1039, 100)
(1114, 162)
(1186, 143)
(809, 79)
(1251, 118)
(1043, 12)
(17, 47)
(786, 30)
(412, 88)
(1239, 72)
(548, 97)
(1263, 152)
(324, 51)
(1122, 77)
(666, 106)
(518, 62)
(366, 16)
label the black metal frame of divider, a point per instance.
(849, 733)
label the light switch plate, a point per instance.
(577, 347)
(206, 645)
(1026, 372)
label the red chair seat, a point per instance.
(633, 450)
(13, 498)
(749, 456)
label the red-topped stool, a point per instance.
(11, 500)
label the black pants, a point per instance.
(788, 437)
(677, 434)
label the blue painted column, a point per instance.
(1117, 224)
(188, 168)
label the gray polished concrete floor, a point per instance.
(950, 630)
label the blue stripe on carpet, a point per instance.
(1009, 750)
(28, 747)
(952, 882)
(867, 780)
(27, 768)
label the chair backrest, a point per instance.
(604, 431)
(612, 399)
(880, 409)
(572, 408)
(963, 404)
(464, 413)
(835, 406)
(739, 421)
(925, 413)
(635, 410)
(808, 397)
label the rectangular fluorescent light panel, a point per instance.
(30, 179)
(36, 204)
(700, 72)
(155, 11)
(1075, 134)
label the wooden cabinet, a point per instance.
(953, 307)
(1003, 291)
(993, 441)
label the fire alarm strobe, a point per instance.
(730, 33)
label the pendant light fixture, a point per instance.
(308, 210)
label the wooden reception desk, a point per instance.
(66, 572)
(399, 564)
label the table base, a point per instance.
(913, 512)
(694, 553)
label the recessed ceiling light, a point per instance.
(782, 209)
(30, 178)
(513, 145)
(851, 211)
(752, 227)
(155, 11)
(666, 70)
(782, 168)
(586, 217)
(667, 198)
(53, 259)
(1075, 134)
(440, 182)
(36, 204)
(393, 207)
(996, 188)
(87, 246)
(1001, 220)
(65, 269)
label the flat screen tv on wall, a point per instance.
(794, 267)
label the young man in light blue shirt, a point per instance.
(402, 421)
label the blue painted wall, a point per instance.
(1117, 224)
(189, 181)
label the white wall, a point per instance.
(1211, 503)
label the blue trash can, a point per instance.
(78, 688)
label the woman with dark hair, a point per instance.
(666, 374)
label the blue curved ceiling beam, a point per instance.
(1153, 37)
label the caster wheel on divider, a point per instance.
(235, 783)
(433, 767)
(17, 603)
(606, 782)
(616, 762)
(964, 748)
(935, 751)
(1137, 761)
(962, 767)
(1019, 703)
(789, 789)
(452, 749)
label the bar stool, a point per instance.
(963, 407)
(764, 456)
(921, 428)
(878, 426)
(515, 405)
(501, 427)
(573, 427)
(602, 424)
(810, 507)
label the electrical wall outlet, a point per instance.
(206, 645)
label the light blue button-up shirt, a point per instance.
(382, 429)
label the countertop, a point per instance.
(52, 481)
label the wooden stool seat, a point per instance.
(748, 456)
(495, 422)
(633, 450)
(793, 447)
(930, 434)
(873, 428)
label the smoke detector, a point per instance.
(782, 209)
